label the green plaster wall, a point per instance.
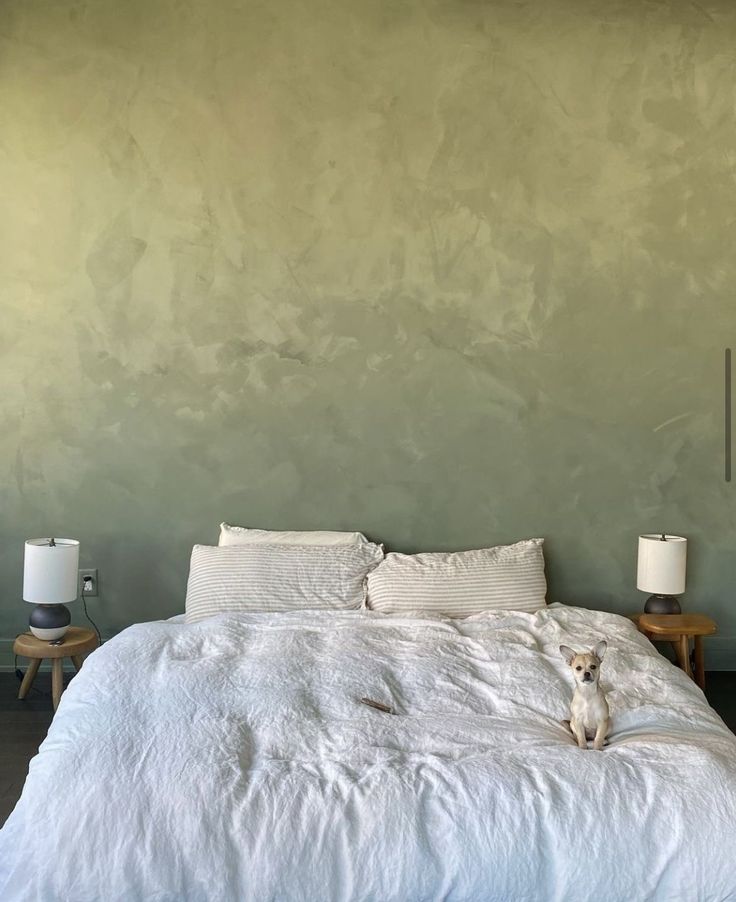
(453, 273)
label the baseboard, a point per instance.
(720, 653)
(7, 658)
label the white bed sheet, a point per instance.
(230, 760)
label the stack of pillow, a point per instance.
(259, 570)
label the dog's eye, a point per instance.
(578, 667)
(592, 666)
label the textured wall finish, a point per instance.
(453, 273)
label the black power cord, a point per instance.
(84, 605)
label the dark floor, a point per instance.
(23, 725)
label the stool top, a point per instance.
(76, 641)
(677, 624)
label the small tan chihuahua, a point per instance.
(589, 718)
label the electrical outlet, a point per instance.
(88, 583)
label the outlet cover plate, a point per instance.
(92, 590)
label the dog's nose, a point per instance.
(586, 675)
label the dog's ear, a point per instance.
(600, 649)
(567, 653)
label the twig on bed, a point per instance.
(379, 706)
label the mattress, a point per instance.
(232, 760)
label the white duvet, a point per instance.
(231, 760)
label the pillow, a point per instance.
(457, 584)
(277, 578)
(239, 535)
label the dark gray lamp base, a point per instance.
(662, 604)
(49, 622)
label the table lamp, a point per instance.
(661, 571)
(50, 577)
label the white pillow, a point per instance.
(277, 577)
(240, 535)
(460, 583)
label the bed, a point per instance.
(231, 759)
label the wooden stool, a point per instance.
(678, 629)
(75, 642)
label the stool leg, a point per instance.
(77, 661)
(699, 662)
(57, 680)
(685, 655)
(30, 676)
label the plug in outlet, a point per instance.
(88, 583)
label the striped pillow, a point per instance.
(277, 577)
(242, 535)
(457, 584)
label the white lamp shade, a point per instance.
(50, 571)
(661, 565)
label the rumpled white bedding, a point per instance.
(231, 760)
